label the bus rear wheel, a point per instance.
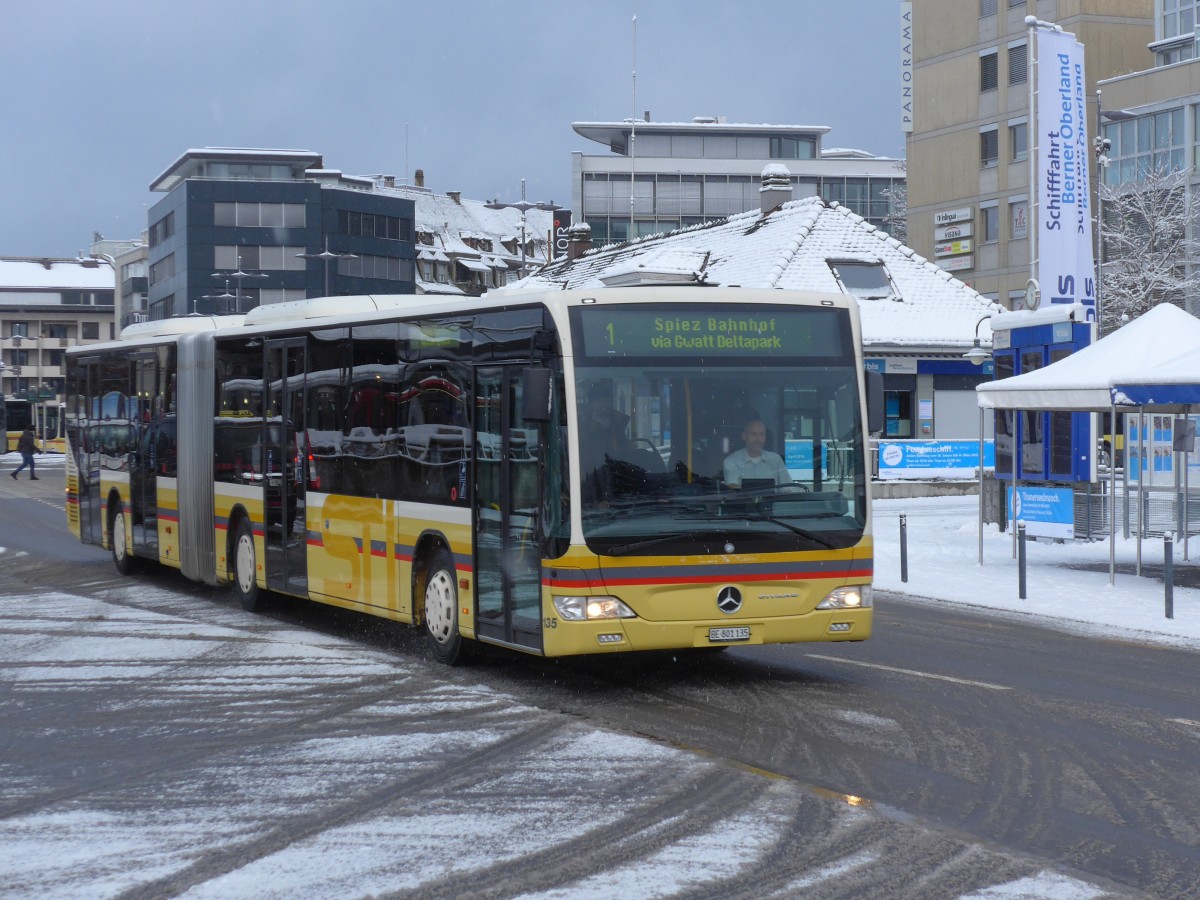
(245, 567)
(125, 562)
(441, 609)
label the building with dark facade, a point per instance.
(240, 227)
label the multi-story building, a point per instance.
(687, 173)
(968, 170)
(1152, 117)
(127, 260)
(240, 227)
(466, 247)
(46, 306)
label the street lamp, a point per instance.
(524, 206)
(325, 256)
(224, 299)
(1103, 145)
(977, 354)
(237, 275)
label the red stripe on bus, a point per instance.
(709, 579)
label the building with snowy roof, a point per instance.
(917, 320)
(46, 306)
(242, 227)
(687, 173)
(465, 247)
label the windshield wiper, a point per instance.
(622, 549)
(803, 532)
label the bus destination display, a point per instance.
(745, 331)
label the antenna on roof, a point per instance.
(405, 153)
(633, 137)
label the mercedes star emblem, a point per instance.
(729, 600)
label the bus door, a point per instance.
(507, 504)
(282, 462)
(86, 447)
(144, 470)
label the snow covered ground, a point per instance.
(943, 565)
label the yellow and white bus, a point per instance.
(540, 470)
(44, 415)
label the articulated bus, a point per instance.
(544, 471)
(45, 417)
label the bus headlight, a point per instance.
(856, 596)
(578, 609)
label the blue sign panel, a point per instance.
(1046, 511)
(933, 459)
(798, 457)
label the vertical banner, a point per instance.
(1065, 270)
(906, 69)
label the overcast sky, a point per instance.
(100, 99)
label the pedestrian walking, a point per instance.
(27, 446)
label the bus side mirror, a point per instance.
(875, 413)
(535, 395)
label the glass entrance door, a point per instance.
(145, 467)
(507, 501)
(283, 466)
(86, 445)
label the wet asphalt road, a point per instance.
(982, 750)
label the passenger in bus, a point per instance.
(753, 463)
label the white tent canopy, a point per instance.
(1174, 382)
(1083, 381)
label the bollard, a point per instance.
(1021, 560)
(1169, 574)
(903, 548)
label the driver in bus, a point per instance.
(753, 463)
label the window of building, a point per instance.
(990, 223)
(1152, 144)
(55, 357)
(18, 329)
(988, 71)
(163, 269)
(792, 148)
(1018, 218)
(385, 268)
(56, 329)
(280, 295)
(1018, 140)
(989, 146)
(90, 331)
(987, 8)
(1178, 17)
(281, 259)
(1017, 69)
(866, 281)
(360, 224)
(264, 215)
(162, 229)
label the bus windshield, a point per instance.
(692, 454)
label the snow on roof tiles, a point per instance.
(791, 248)
(54, 274)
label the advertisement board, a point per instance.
(1046, 511)
(917, 460)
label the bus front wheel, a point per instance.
(245, 567)
(441, 609)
